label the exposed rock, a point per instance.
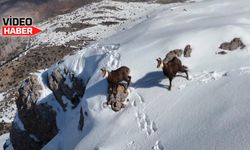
(109, 23)
(173, 53)
(65, 85)
(29, 92)
(117, 103)
(73, 27)
(233, 45)
(187, 51)
(39, 121)
(21, 140)
(81, 120)
(4, 127)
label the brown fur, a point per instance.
(171, 68)
(117, 76)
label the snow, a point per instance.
(209, 111)
(126, 14)
(3, 138)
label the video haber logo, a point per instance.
(18, 27)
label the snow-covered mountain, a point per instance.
(209, 111)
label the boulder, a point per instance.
(4, 127)
(233, 44)
(38, 120)
(65, 84)
(21, 140)
(117, 103)
(29, 92)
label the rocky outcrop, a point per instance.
(81, 120)
(4, 127)
(233, 44)
(22, 140)
(117, 103)
(66, 87)
(38, 120)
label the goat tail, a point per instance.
(185, 67)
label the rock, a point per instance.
(29, 92)
(39, 121)
(117, 103)
(21, 140)
(63, 83)
(173, 53)
(233, 45)
(187, 51)
(4, 127)
(81, 120)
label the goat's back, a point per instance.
(119, 74)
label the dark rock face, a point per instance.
(81, 120)
(21, 140)
(187, 51)
(39, 121)
(43, 125)
(233, 45)
(63, 83)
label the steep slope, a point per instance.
(209, 111)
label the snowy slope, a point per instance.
(210, 111)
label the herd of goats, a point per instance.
(170, 65)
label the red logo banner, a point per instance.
(20, 30)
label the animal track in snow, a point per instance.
(244, 70)
(205, 76)
(158, 146)
(145, 124)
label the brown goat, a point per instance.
(171, 68)
(115, 77)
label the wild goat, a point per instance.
(115, 77)
(171, 68)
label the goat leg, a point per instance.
(186, 72)
(170, 84)
(129, 80)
